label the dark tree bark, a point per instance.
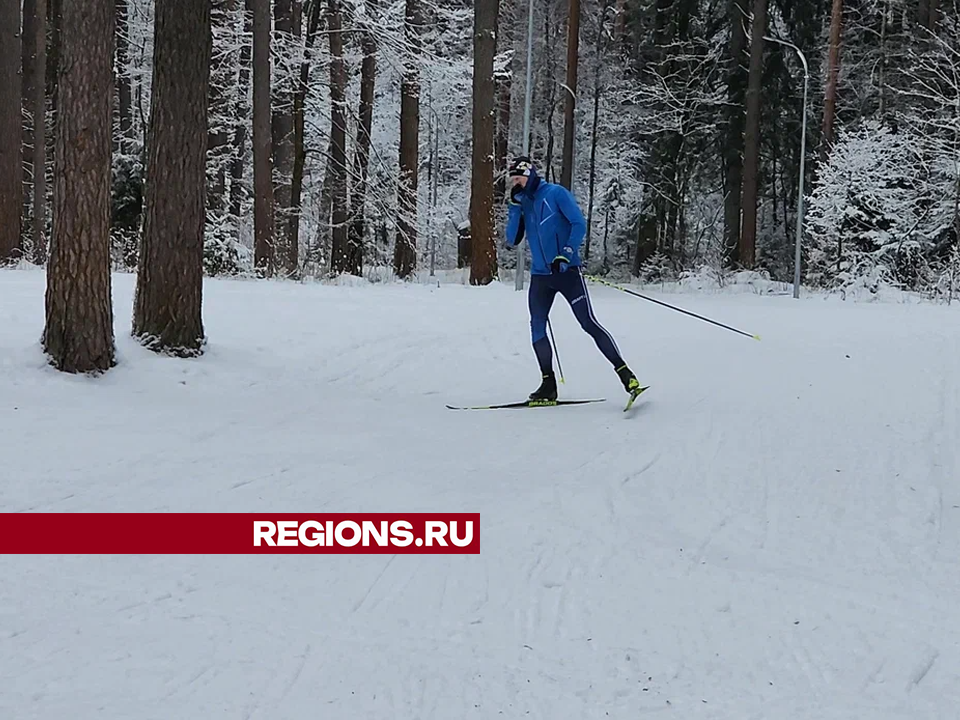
(40, 136)
(263, 205)
(503, 88)
(751, 142)
(551, 104)
(78, 331)
(167, 307)
(28, 54)
(218, 139)
(733, 145)
(601, 47)
(11, 148)
(282, 86)
(833, 71)
(338, 136)
(240, 119)
(361, 161)
(593, 166)
(570, 94)
(483, 264)
(55, 22)
(299, 153)
(405, 248)
(124, 89)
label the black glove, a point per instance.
(515, 193)
(560, 264)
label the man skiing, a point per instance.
(551, 220)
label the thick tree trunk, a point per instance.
(483, 264)
(361, 161)
(78, 331)
(338, 136)
(11, 133)
(733, 146)
(570, 94)
(167, 313)
(40, 137)
(751, 144)
(263, 205)
(833, 71)
(405, 248)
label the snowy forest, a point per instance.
(319, 137)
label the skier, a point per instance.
(549, 217)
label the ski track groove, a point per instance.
(376, 580)
(574, 554)
(634, 475)
(924, 667)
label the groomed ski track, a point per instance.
(772, 533)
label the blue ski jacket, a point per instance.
(552, 221)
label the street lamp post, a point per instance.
(522, 247)
(803, 155)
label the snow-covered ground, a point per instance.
(774, 535)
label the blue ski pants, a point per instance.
(573, 287)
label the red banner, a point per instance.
(237, 533)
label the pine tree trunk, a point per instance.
(221, 16)
(282, 130)
(299, 152)
(240, 119)
(593, 165)
(368, 76)
(601, 49)
(11, 148)
(55, 22)
(570, 94)
(503, 88)
(40, 137)
(405, 248)
(733, 146)
(167, 313)
(78, 331)
(263, 204)
(483, 265)
(124, 89)
(833, 71)
(751, 143)
(28, 53)
(338, 136)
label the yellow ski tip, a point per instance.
(756, 337)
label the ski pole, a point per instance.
(556, 354)
(672, 307)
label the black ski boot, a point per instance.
(629, 380)
(547, 389)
